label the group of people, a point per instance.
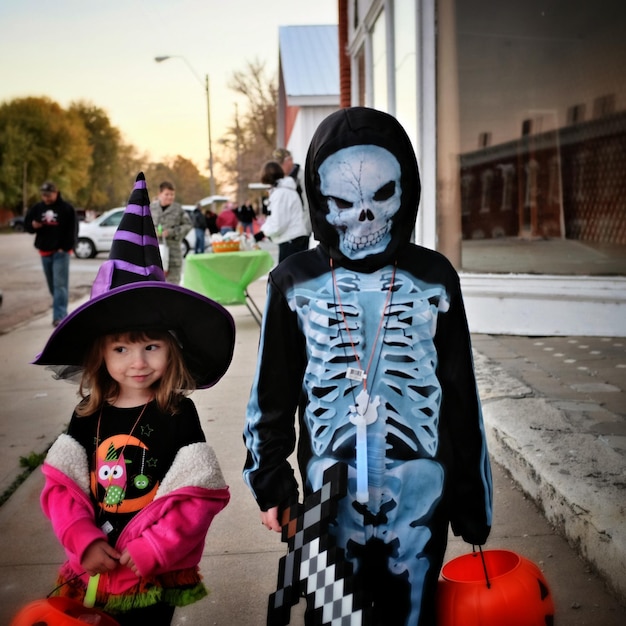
(364, 342)
(54, 222)
(287, 223)
(227, 220)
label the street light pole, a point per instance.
(208, 108)
(238, 149)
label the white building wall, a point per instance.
(307, 121)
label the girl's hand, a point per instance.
(269, 519)
(127, 560)
(100, 558)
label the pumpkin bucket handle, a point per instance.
(482, 558)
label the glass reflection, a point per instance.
(542, 94)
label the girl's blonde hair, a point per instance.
(97, 386)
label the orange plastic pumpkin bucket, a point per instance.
(493, 588)
(60, 611)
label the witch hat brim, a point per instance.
(203, 328)
(129, 293)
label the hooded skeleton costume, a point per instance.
(371, 331)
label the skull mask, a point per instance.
(362, 187)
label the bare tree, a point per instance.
(249, 141)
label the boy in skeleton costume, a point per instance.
(370, 331)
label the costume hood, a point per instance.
(363, 187)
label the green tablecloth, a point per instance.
(225, 276)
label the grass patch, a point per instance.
(33, 460)
(30, 463)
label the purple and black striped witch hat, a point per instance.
(130, 293)
(134, 254)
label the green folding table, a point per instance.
(225, 276)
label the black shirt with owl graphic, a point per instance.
(130, 455)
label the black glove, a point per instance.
(259, 236)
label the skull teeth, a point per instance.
(365, 241)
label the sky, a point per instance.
(103, 53)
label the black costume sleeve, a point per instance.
(270, 418)
(469, 478)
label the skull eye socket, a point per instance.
(385, 192)
(340, 203)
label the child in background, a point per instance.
(132, 487)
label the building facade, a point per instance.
(308, 84)
(517, 112)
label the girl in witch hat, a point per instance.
(132, 487)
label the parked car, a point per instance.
(17, 223)
(97, 236)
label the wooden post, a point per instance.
(449, 231)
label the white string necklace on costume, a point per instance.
(365, 409)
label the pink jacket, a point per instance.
(167, 535)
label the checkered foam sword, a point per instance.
(314, 566)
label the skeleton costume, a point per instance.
(371, 331)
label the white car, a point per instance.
(97, 236)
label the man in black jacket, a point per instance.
(54, 223)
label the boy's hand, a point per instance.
(269, 519)
(100, 558)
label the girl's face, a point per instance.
(135, 365)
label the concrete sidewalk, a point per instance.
(531, 433)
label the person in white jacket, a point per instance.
(288, 224)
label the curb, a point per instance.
(582, 498)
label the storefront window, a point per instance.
(542, 135)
